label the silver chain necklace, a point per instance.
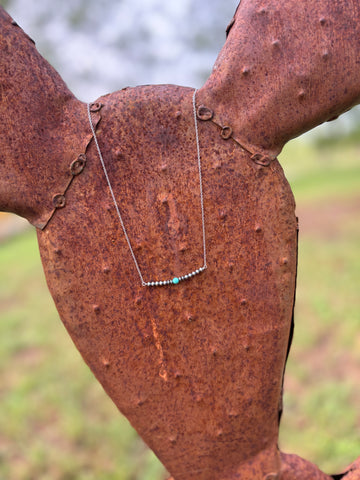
(174, 280)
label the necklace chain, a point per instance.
(175, 280)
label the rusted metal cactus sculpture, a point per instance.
(197, 365)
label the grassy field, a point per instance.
(57, 424)
(322, 415)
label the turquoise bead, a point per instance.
(175, 280)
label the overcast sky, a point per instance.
(100, 46)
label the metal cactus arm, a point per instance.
(196, 365)
(43, 130)
(285, 68)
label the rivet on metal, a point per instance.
(245, 71)
(78, 165)
(183, 247)
(59, 201)
(119, 154)
(301, 94)
(95, 107)
(96, 309)
(276, 43)
(223, 214)
(284, 261)
(105, 362)
(138, 246)
(57, 251)
(172, 439)
(190, 317)
(258, 229)
(213, 351)
(177, 374)
(138, 300)
(106, 269)
(325, 55)
(233, 414)
(322, 21)
(226, 132)
(243, 302)
(272, 476)
(204, 113)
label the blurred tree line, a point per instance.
(99, 46)
(346, 130)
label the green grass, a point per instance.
(56, 423)
(55, 420)
(321, 173)
(322, 417)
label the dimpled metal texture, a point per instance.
(197, 368)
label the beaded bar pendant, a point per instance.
(175, 280)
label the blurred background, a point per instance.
(56, 423)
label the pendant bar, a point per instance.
(175, 280)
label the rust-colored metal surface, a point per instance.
(197, 367)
